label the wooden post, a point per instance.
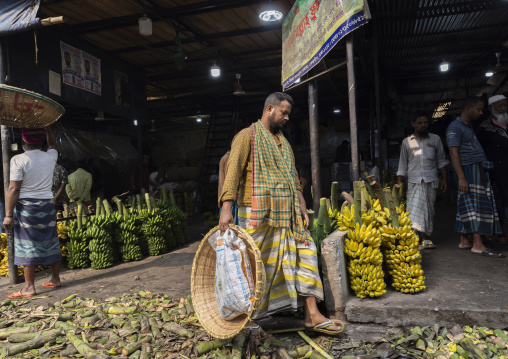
(314, 145)
(352, 108)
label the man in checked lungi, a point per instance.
(262, 177)
(421, 157)
(476, 207)
(30, 210)
(493, 136)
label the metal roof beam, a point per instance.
(217, 35)
(233, 55)
(185, 10)
(205, 71)
(446, 9)
(448, 32)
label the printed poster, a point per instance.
(311, 29)
(123, 95)
(92, 75)
(80, 69)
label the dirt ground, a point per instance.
(169, 274)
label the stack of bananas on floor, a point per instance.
(153, 230)
(129, 239)
(100, 242)
(402, 256)
(169, 238)
(365, 258)
(78, 255)
(179, 228)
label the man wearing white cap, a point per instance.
(493, 137)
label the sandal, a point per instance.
(19, 295)
(487, 252)
(49, 285)
(427, 244)
(321, 328)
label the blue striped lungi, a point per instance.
(476, 210)
(35, 234)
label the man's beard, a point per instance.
(424, 133)
(501, 117)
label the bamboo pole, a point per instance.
(53, 20)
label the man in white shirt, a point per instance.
(421, 156)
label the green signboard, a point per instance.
(311, 30)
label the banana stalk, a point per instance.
(391, 206)
(110, 309)
(107, 207)
(98, 211)
(34, 343)
(156, 333)
(364, 198)
(238, 346)
(370, 189)
(84, 349)
(176, 329)
(131, 348)
(164, 194)
(148, 202)
(395, 194)
(323, 217)
(80, 214)
(358, 201)
(205, 347)
(4, 334)
(139, 203)
(314, 345)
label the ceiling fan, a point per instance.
(238, 90)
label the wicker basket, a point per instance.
(24, 109)
(203, 286)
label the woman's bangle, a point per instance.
(8, 216)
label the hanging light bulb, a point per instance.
(270, 13)
(444, 66)
(198, 119)
(145, 25)
(489, 73)
(215, 70)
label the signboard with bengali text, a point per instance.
(311, 30)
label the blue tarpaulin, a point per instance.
(18, 15)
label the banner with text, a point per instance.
(311, 30)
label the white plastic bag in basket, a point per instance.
(234, 287)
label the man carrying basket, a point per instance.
(262, 178)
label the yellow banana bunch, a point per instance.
(401, 254)
(365, 260)
(62, 230)
(346, 218)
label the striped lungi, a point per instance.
(35, 235)
(476, 210)
(420, 205)
(291, 268)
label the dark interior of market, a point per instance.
(154, 93)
